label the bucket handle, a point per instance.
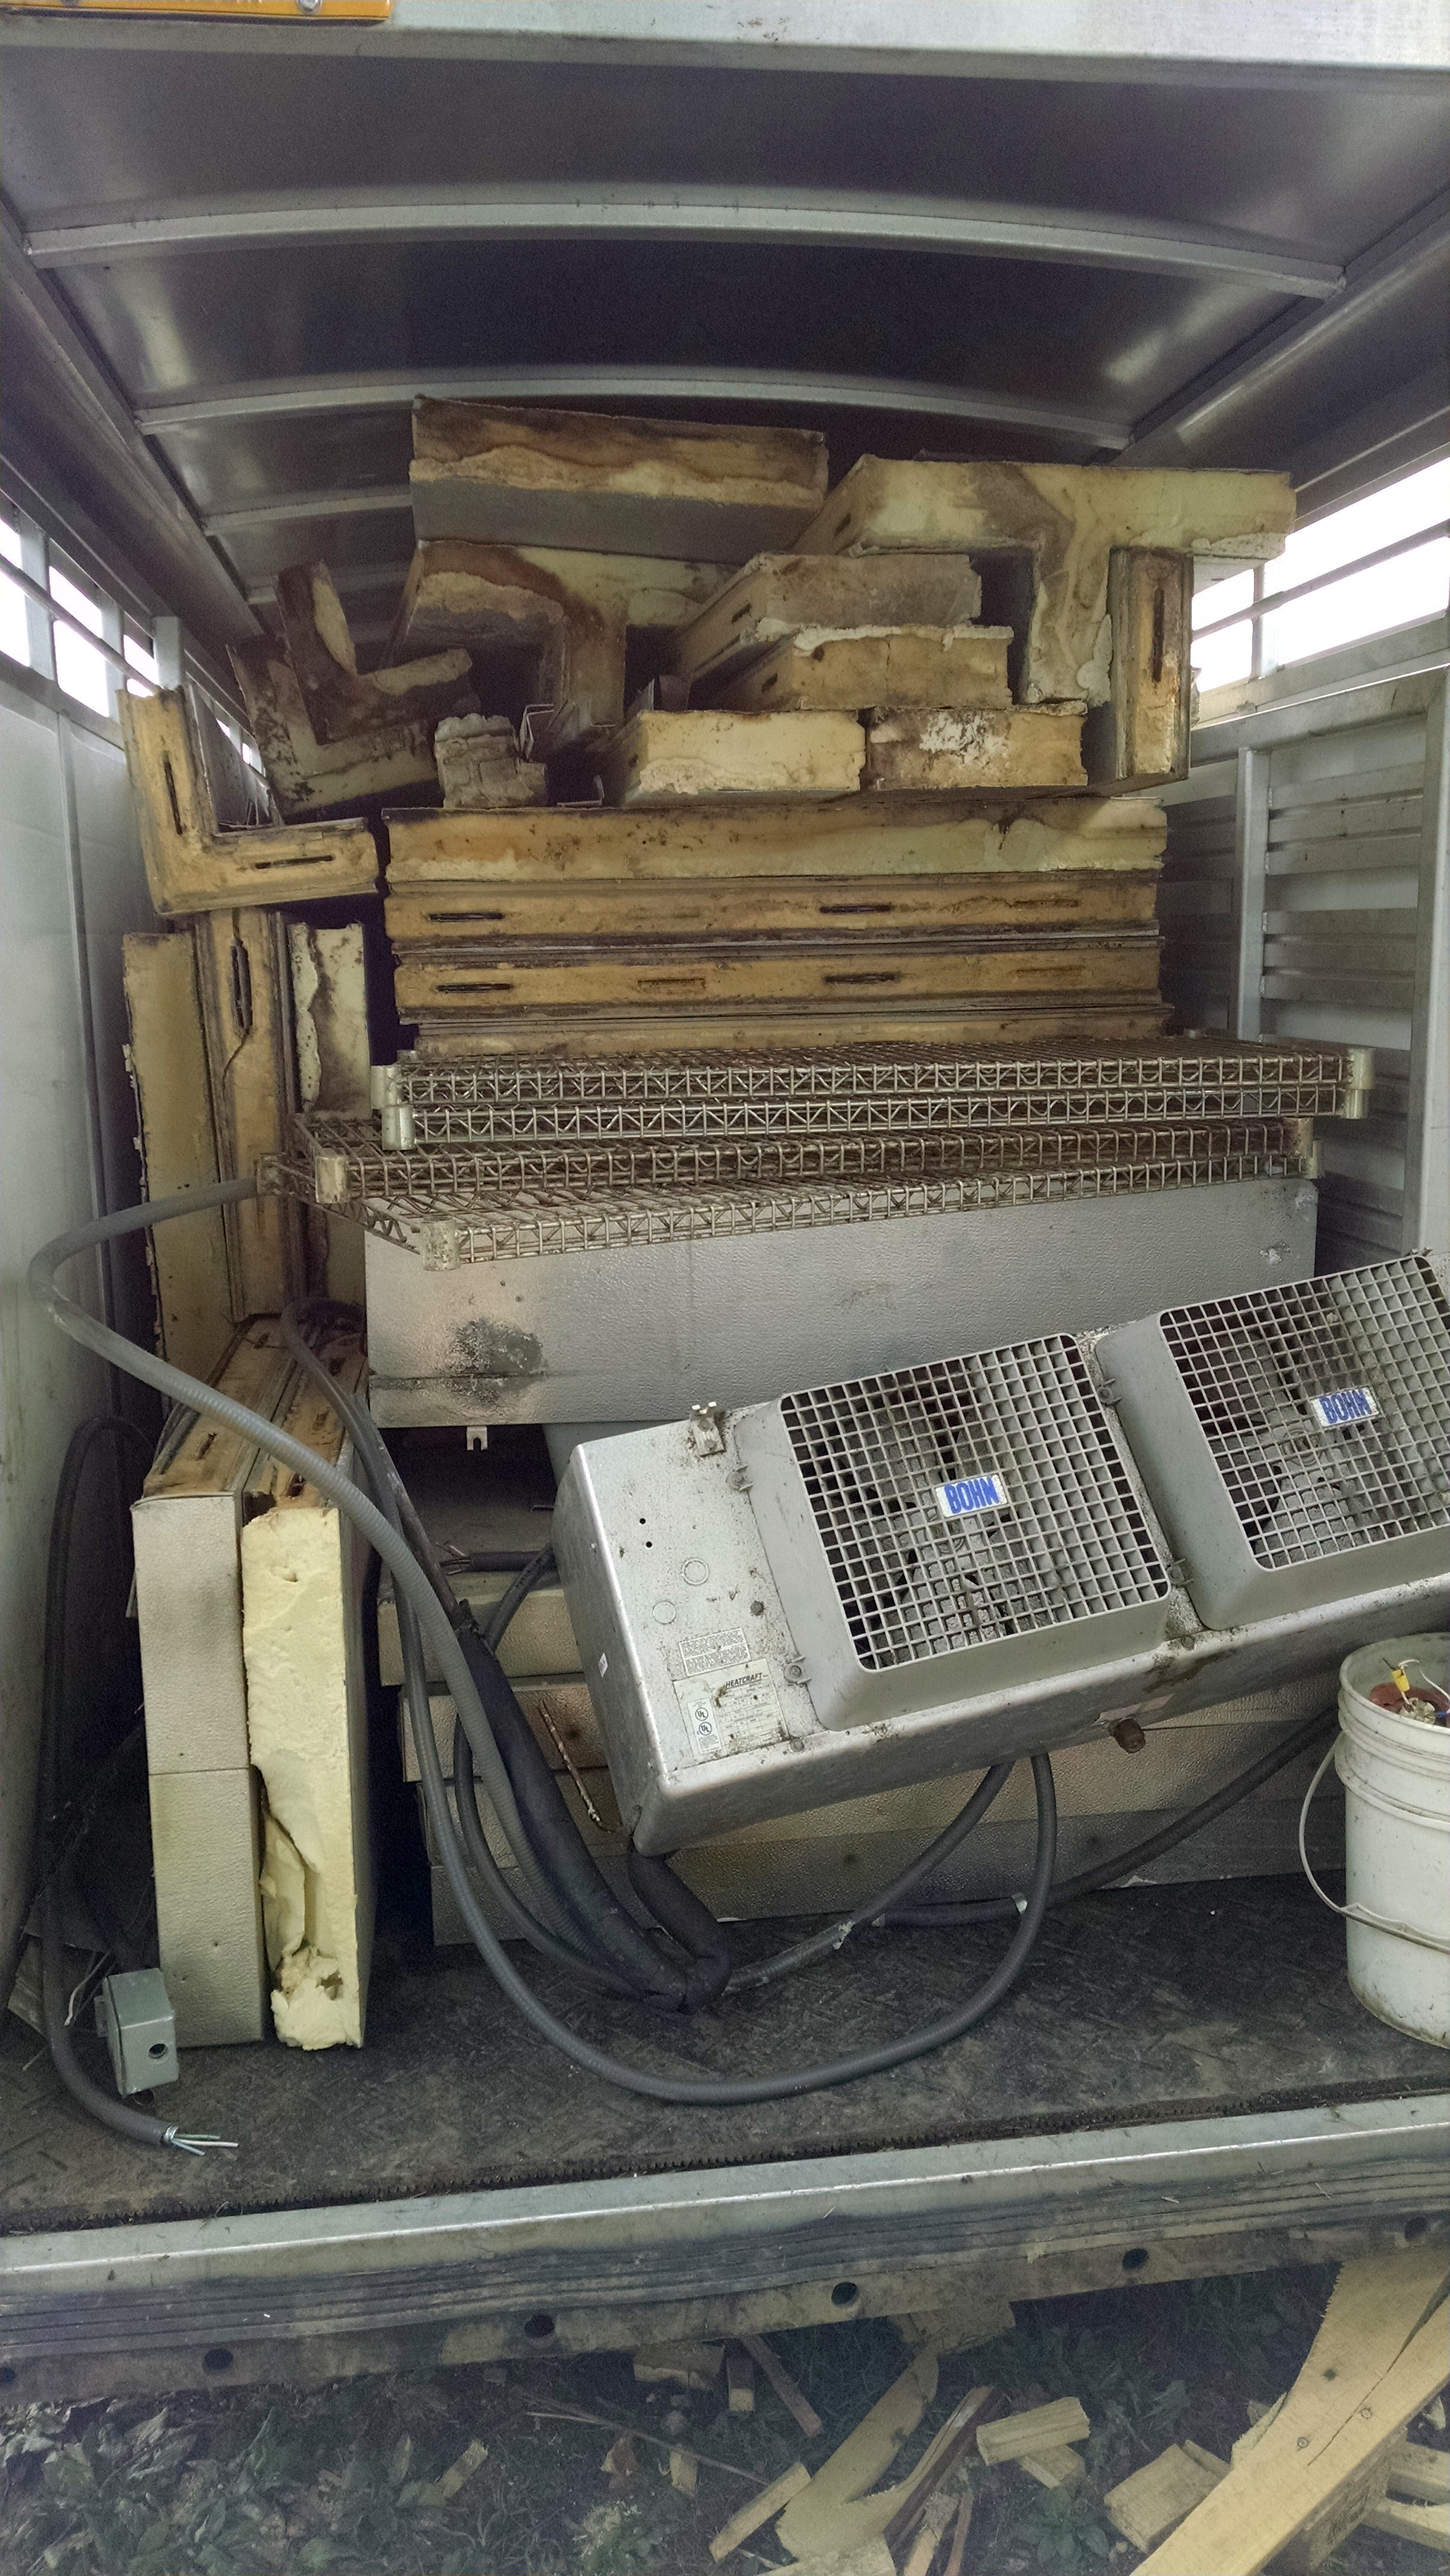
(1354, 1913)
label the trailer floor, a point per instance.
(1149, 2003)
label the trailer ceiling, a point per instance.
(234, 253)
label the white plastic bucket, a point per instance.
(1396, 1775)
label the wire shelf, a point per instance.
(540, 1224)
(866, 1090)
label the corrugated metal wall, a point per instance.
(1304, 897)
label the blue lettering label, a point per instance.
(1346, 1404)
(971, 1494)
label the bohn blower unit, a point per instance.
(904, 1576)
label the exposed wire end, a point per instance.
(194, 2146)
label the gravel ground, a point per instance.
(346, 2478)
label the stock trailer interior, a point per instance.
(254, 260)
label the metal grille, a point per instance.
(1069, 1541)
(865, 1090)
(1250, 1366)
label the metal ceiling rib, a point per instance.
(394, 388)
(901, 222)
(883, 221)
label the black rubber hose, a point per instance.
(142, 2127)
(998, 1909)
(688, 1921)
(574, 1874)
(818, 1945)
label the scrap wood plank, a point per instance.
(872, 666)
(306, 776)
(441, 914)
(166, 1055)
(687, 2365)
(777, 594)
(740, 2382)
(665, 757)
(793, 2399)
(1058, 2466)
(1155, 2499)
(836, 2511)
(976, 750)
(593, 481)
(340, 700)
(970, 1020)
(1122, 963)
(1417, 2471)
(1428, 2524)
(943, 2457)
(1262, 2506)
(958, 2549)
(937, 2515)
(244, 982)
(1376, 2304)
(1068, 519)
(855, 836)
(1039, 2428)
(760, 2509)
(191, 866)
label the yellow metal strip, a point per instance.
(306, 13)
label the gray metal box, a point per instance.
(135, 2019)
(1295, 1440)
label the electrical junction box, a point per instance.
(1296, 1441)
(135, 2019)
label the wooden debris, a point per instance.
(1260, 2420)
(778, 594)
(1311, 2476)
(837, 2510)
(938, 2514)
(960, 2529)
(740, 2382)
(306, 775)
(444, 2489)
(867, 2558)
(243, 982)
(621, 2462)
(950, 2446)
(666, 758)
(339, 699)
(492, 599)
(760, 2509)
(873, 666)
(1426, 2524)
(973, 751)
(1205, 2459)
(1121, 965)
(1067, 519)
(480, 769)
(1140, 738)
(1059, 2467)
(682, 2365)
(684, 2471)
(861, 836)
(193, 867)
(581, 479)
(793, 2399)
(1040, 2428)
(1155, 2499)
(1417, 2471)
(838, 909)
(1019, 1021)
(167, 1059)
